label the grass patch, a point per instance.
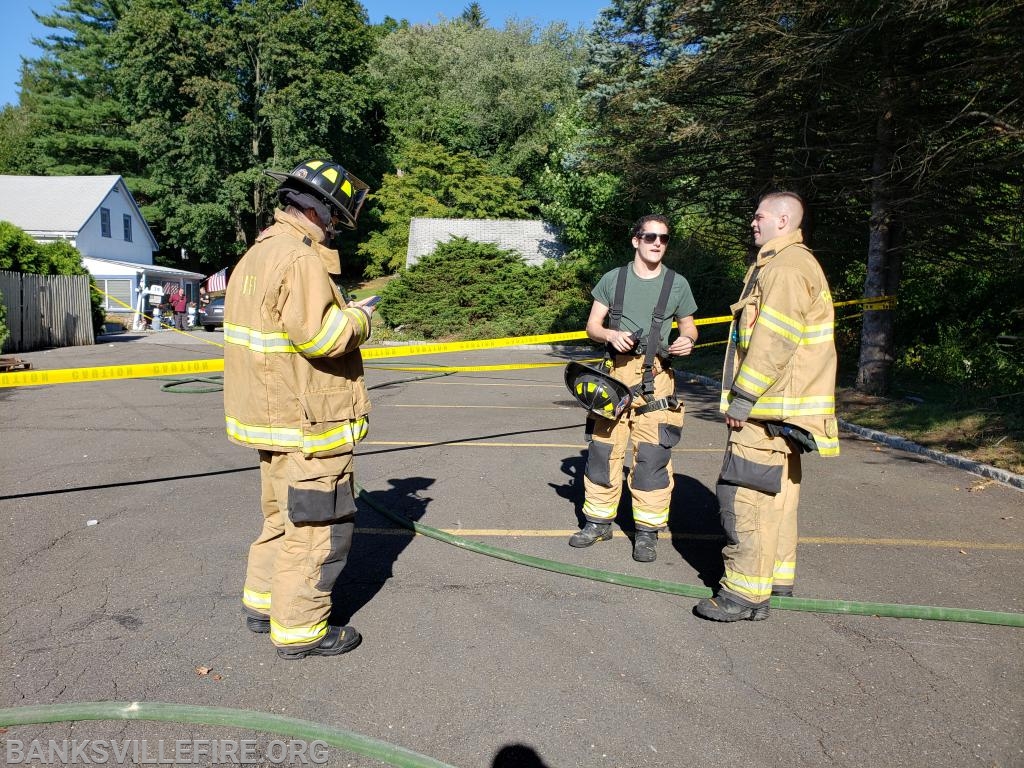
(977, 425)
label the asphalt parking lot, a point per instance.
(128, 518)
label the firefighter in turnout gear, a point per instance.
(632, 315)
(294, 391)
(778, 396)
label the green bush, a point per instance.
(20, 253)
(476, 290)
(962, 356)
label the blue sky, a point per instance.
(18, 26)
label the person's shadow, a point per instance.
(518, 756)
(374, 551)
(693, 521)
(696, 528)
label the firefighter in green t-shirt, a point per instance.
(655, 420)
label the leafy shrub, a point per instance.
(962, 356)
(20, 253)
(477, 290)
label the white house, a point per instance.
(99, 217)
(536, 241)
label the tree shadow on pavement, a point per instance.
(374, 552)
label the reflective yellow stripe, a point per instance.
(325, 339)
(752, 381)
(779, 323)
(827, 446)
(780, 407)
(361, 318)
(818, 334)
(784, 570)
(754, 587)
(601, 513)
(282, 635)
(282, 437)
(655, 519)
(259, 601)
(290, 438)
(343, 434)
(257, 341)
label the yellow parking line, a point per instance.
(477, 444)
(836, 540)
(489, 407)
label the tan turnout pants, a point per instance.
(758, 493)
(654, 435)
(308, 520)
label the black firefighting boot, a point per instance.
(337, 640)
(722, 608)
(644, 545)
(590, 533)
(257, 624)
(761, 612)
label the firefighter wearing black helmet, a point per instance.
(624, 316)
(294, 391)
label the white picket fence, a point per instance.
(46, 311)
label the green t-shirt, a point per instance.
(641, 298)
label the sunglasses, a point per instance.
(650, 237)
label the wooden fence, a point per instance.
(46, 311)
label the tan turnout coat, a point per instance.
(782, 354)
(293, 374)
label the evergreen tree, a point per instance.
(79, 122)
(888, 117)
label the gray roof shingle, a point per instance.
(52, 203)
(535, 240)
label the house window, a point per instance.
(105, 222)
(117, 294)
(127, 228)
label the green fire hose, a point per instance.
(889, 610)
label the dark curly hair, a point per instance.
(642, 221)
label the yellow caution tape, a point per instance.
(106, 373)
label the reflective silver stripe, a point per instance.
(827, 446)
(817, 334)
(779, 323)
(256, 340)
(752, 381)
(284, 437)
(257, 600)
(325, 339)
(601, 513)
(292, 439)
(349, 432)
(755, 587)
(297, 635)
(825, 405)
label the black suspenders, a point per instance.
(653, 342)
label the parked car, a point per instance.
(212, 315)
